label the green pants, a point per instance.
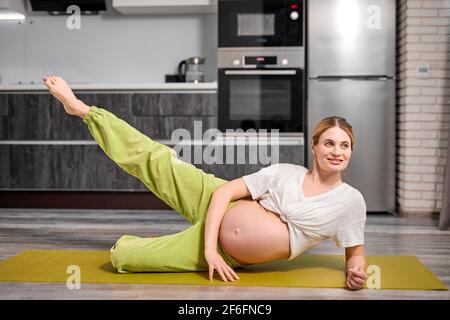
(185, 188)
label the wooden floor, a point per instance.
(98, 229)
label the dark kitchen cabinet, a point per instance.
(38, 116)
(174, 104)
(62, 167)
(87, 168)
(43, 148)
(159, 115)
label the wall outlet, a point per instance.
(423, 71)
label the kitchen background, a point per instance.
(120, 49)
(109, 48)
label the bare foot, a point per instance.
(59, 88)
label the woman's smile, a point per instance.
(335, 161)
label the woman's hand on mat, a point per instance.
(356, 278)
(59, 88)
(216, 262)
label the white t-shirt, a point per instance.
(339, 214)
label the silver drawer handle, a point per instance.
(261, 72)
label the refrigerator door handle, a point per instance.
(356, 78)
(261, 72)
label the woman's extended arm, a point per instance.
(355, 266)
(232, 190)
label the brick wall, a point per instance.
(423, 104)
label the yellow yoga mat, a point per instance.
(307, 270)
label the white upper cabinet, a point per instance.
(145, 7)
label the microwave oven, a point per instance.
(260, 23)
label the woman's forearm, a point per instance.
(355, 257)
(216, 211)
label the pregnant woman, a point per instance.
(275, 213)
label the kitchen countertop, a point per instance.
(117, 87)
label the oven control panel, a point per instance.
(259, 61)
(263, 58)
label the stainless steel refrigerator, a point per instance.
(351, 73)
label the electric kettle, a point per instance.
(192, 70)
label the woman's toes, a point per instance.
(59, 80)
(47, 82)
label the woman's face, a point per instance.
(333, 151)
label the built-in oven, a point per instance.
(261, 99)
(260, 23)
(261, 89)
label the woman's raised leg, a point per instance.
(181, 185)
(185, 188)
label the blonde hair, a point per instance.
(331, 122)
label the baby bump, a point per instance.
(252, 234)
